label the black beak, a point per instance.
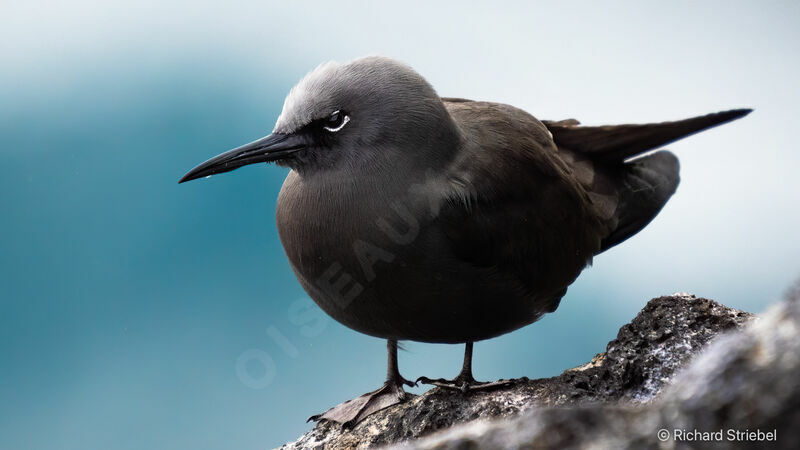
(271, 148)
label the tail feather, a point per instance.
(627, 189)
(646, 185)
(615, 143)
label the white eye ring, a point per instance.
(345, 119)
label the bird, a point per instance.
(408, 216)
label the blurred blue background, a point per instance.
(136, 313)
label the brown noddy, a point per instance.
(407, 216)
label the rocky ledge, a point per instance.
(662, 372)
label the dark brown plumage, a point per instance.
(409, 216)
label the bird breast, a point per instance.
(334, 230)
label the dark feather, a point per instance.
(620, 142)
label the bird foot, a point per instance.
(351, 412)
(464, 384)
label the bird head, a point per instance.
(369, 113)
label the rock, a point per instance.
(593, 399)
(743, 391)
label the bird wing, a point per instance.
(527, 217)
(629, 193)
(619, 142)
(544, 193)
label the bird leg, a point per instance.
(351, 412)
(464, 381)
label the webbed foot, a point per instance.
(464, 383)
(351, 412)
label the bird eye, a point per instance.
(336, 121)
